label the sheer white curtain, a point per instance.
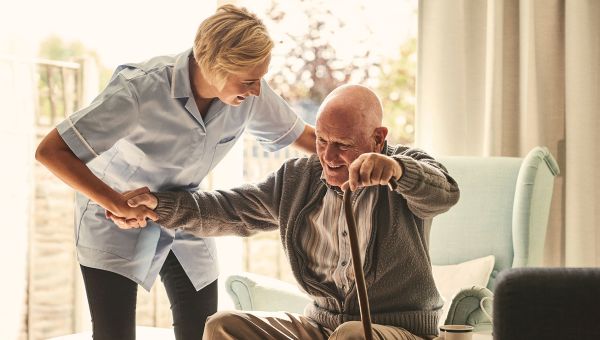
(500, 77)
(16, 181)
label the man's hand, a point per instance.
(130, 215)
(372, 169)
(143, 199)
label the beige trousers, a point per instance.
(230, 325)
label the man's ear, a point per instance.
(379, 135)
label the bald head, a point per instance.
(355, 103)
(348, 125)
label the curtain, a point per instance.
(16, 138)
(497, 78)
(582, 203)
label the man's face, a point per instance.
(339, 142)
(241, 85)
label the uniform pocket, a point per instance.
(95, 231)
(124, 163)
(221, 149)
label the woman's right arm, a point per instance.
(56, 155)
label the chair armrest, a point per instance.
(260, 293)
(465, 309)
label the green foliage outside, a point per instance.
(54, 48)
(58, 86)
(310, 69)
(397, 92)
(311, 66)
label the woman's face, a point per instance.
(240, 86)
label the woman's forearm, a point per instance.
(55, 155)
(306, 141)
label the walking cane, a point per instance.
(359, 275)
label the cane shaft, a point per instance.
(359, 275)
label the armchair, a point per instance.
(503, 211)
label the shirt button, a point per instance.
(344, 233)
(344, 263)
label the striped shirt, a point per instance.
(326, 241)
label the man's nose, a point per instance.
(330, 153)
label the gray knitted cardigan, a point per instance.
(397, 266)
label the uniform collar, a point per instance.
(180, 80)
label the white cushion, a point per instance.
(451, 279)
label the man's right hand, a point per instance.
(133, 211)
(143, 199)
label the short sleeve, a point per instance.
(110, 117)
(273, 122)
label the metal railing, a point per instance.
(59, 87)
(45, 91)
(60, 90)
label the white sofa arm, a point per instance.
(260, 293)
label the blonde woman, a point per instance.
(164, 124)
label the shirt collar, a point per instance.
(180, 80)
(336, 189)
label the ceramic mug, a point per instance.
(455, 332)
(485, 312)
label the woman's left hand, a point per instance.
(141, 211)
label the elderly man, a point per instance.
(304, 201)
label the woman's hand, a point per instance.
(127, 216)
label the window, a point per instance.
(319, 46)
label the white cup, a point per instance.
(482, 306)
(456, 332)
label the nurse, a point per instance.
(164, 124)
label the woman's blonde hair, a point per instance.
(230, 41)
